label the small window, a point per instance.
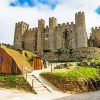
(1, 59)
(71, 31)
(46, 35)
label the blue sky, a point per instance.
(32, 3)
(98, 10)
(12, 11)
(21, 3)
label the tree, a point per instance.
(59, 52)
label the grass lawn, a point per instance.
(78, 79)
(29, 56)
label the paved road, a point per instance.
(6, 94)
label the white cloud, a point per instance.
(64, 12)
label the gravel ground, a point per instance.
(6, 94)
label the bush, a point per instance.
(65, 65)
(1, 78)
(61, 66)
(14, 81)
(84, 62)
(58, 67)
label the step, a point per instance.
(38, 86)
(43, 92)
(41, 89)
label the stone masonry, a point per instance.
(94, 40)
(52, 37)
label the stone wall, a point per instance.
(95, 37)
(29, 40)
(77, 54)
(51, 37)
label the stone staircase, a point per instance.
(36, 84)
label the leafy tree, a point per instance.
(59, 52)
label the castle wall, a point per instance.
(95, 37)
(29, 40)
(72, 35)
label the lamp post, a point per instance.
(94, 53)
(26, 71)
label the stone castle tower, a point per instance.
(52, 33)
(80, 30)
(52, 37)
(20, 29)
(94, 40)
(41, 35)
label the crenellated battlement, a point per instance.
(70, 24)
(52, 19)
(63, 24)
(31, 29)
(22, 23)
(95, 37)
(96, 29)
(52, 22)
(59, 25)
(41, 21)
(80, 19)
(47, 27)
(41, 24)
(67, 23)
(36, 29)
(79, 14)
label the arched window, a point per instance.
(1, 59)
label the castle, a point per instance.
(94, 40)
(55, 36)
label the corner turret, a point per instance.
(20, 29)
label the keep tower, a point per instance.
(81, 35)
